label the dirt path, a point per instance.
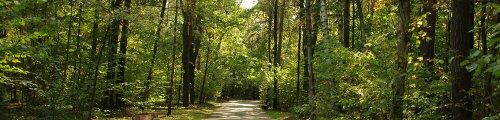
(239, 110)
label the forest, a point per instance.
(301, 59)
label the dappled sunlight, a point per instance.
(239, 110)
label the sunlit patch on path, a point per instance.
(239, 110)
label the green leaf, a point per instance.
(475, 54)
(471, 67)
(41, 1)
(465, 62)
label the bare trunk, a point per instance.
(68, 42)
(361, 22)
(172, 66)
(96, 73)
(427, 42)
(155, 51)
(301, 16)
(309, 56)
(346, 23)
(461, 43)
(399, 81)
(324, 22)
(207, 62)
(189, 53)
(109, 101)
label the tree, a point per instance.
(110, 101)
(207, 63)
(346, 23)
(461, 43)
(361, 17)
(190, 50)
(123, 54)
(172, 66)
(310, 39)
(300, 31)
(155, 50)
(429, 38)
(398, 83)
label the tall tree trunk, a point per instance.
(109, 101)
(461, 43)
(305, 39)
(207, 62)
(95, 40)
(3, 34)
(300, 14)
(427, 42)
(399, 81)
(361, 17)
(76, 68)
(189, 53)
(270, 29)
(180, 87)
(482, 28)
(324, 22)
(172, 66)
(309, 56)
(276, 56)
(488, 108)
(484, 50)
(353, 25)
(282, 15)
(197, 46)
(346, 23)
(68, 42)
(78, 44)
(123, 56)
(155, 51)
(96, 73)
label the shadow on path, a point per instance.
(239, 110)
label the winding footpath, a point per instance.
(239, 110)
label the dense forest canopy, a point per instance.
(316, 59)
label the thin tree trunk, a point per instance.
(399, 81)
(309, 26)
(200, 100)
(427, 42)
(68, 42)
(155, 51)
(270, 29)
(461, 43)
(172, 66)
(97, 59)
(346, 23)
(276, 56)
(324, 23)
(353, 25)
(181, 83)
(123, 55)
(77, 53)
(487, 109)
(109, 101)
(284, 3)
(361, 22)
(301, 6)
(197, 46)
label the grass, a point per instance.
(179, 113)
(279, 115)
(190, 114)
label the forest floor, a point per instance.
(229, 110)
(239, 110)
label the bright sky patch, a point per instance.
(247, 4)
